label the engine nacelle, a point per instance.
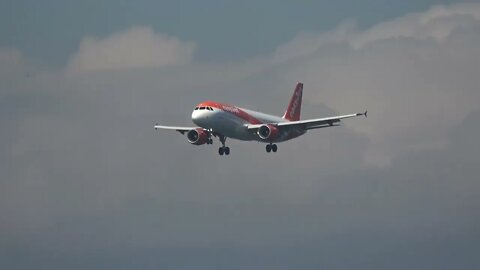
(197, 136)
(268, 132)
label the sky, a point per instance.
(87, 183)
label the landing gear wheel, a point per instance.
(223, 150)
(274, 148)
(268, 148)
(209, 141)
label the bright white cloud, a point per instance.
(436, 23)
(137, 47)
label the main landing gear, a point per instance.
(271, 148)
(224, 149)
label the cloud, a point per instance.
(12, 64)
(412, 73)
(87, 182)
(9, 56)
(136, 47)
(437, 23)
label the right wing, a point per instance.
(320, 122)
(310, 123)
(179, 129)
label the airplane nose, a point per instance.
(196, 117)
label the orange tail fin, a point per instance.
(295, 106)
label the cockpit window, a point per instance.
(204, 108)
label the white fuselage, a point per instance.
(231, 121)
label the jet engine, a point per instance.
(268, 132)
(197, 136)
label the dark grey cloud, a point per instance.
(87, 183)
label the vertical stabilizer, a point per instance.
(295, 106)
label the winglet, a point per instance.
(364, 114)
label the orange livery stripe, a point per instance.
(231, 109)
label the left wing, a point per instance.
(179, 129)
(311, 123)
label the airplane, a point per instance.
(224, 121)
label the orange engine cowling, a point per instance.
(197, 136)
(268, 132)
